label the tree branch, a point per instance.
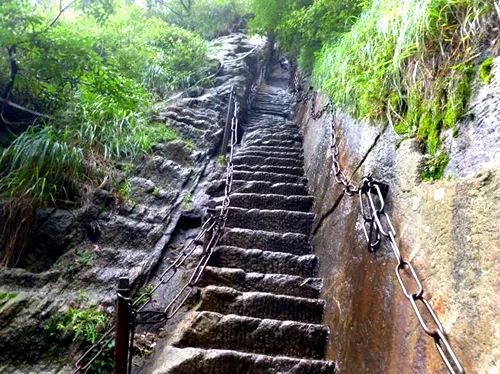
(178, 14)
(62, 9)
(24, 109)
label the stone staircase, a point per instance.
(260, 310)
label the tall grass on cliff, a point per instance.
(409, 62)
(94, 80)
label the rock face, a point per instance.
(74, 258)
(448, 229)
(259, 310)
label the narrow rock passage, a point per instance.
(259, 310)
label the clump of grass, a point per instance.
(221, 160)
(143, 294)
(409, 62)
(84, 325)
(5, 297)
(124, 190)
(156, 191)
(189, 144)
(187, 200)
(433, 168)
(84, 257)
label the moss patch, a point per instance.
(485, 70)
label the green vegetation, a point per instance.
(95, 83)
(143, 295)
(85, 325)
(434, 167)
(221, 160)
(78, 80)
(409, 62)
(208, 18)
(124, 191)
(6, 297)
(84, 257)
(187, 200)
(485, 70)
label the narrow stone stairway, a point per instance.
(260, 310)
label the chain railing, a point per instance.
(132, 312)
(377, 228)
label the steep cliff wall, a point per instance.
(448, 229)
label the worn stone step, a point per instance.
(282, 284)
(259, 160)
(218, 361)
(269, 201)
(276, 135)
(227, 300)
(255, 335)
(274, 142)
(271, 153)
(270, 220)
(261, 125)
(272, 169)
(217, 188)
(271, 129)
(288, 242)
(270, 149)
(268, 177)
(256, 260)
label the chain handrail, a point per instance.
(210, 231)
(377, 225)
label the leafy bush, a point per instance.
(87, 77)
(85, 325)
(97, 82)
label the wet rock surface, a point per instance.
(448, 229)
(259, 310)
(75, 257)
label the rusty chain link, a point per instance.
(210, 233)
(377, 225)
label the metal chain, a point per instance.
(211, 231)
(378, 225)
(373, 211)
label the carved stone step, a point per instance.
(263, 148)
(247, 334)
(269, 201)
(217, 188)
(268, 177)
(270, 220)
(275, 142)
(259, 160)
(260, 126)
(226, 300)
(218, 361)
(256, 260)
(272, 169)
(273, 153)
(276, 135)
(288, 242)
(281, 284)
